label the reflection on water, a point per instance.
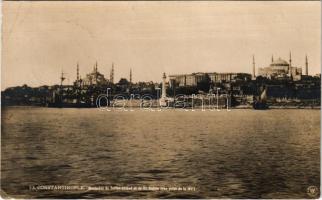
(237, 154)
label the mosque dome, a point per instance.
(279, 62)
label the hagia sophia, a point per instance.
(281, 69)
(278, 69)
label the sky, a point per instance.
(40, 39)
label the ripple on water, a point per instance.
(240, 154)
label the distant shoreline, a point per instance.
(243, 107)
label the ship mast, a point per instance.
(62, 78)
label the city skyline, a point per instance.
(153, 37)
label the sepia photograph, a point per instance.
(160, 99)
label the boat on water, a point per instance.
(60, 101)
(260, 102)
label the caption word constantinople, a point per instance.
(121, 102)
(108, 188)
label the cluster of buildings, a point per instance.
(278, 69)
(86, 89)
(195, 78)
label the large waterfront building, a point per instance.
(195, 78)
(281, 69)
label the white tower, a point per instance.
(163, 98)
(164, 95)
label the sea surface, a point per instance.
(236, 154)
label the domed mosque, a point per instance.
(93, 78)
(281, 69)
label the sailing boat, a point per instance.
(260, 103)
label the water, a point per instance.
(236, 154)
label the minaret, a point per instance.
(95, 72)
(253, 76)
(290, 66)
(77, 74)
(95, 68)
(112, 74)
(272, 59)
(130, 75)
(306, 66)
